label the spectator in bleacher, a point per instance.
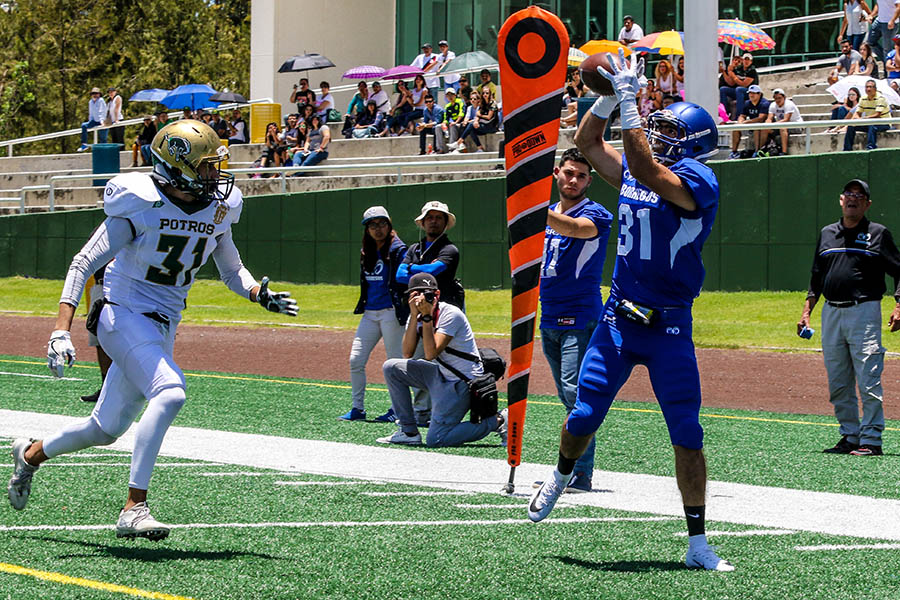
(369, 123)
(432, 117)
(302, 95)
(220, 126)
(454, 113)
(854, 22)
(402, 105)
(486, 121)
(382, 302)
(273, 155)
(162, 119)
(444, 57)
(630, 32)
(883, 19)
(114, 115)
(782, 110)
(428, 61)
(187, 113)
(487, 83)
(755, 111)
(845, 62)
(665, 79)
(356, 107)
(465, 90)
(325, 102)
(237, 129)
(471, 117)
(679, 76)
(845, 110)
(866, 65)
(739, 76)
(205, 116)
(892, 61)
(96, 115)
(291, 135)
(417, 94)
(382, 102)
(872, 106)
(315, 149)
(143, 139)
(648, 101)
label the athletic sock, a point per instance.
(565, 465)
(696, 520)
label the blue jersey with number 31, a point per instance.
(658, 262)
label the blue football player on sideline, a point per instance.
(667, 204)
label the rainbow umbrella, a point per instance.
(597, 46)
(664, 42)
(744, 35)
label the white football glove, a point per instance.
(627, 77)
(279, 302)
(60, 352)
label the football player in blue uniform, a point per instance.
(571, 272)
(667, 204)
(160, 228)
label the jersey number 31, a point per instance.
(173, 246)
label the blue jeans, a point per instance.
(739, 94)
(472, 130)
(564, 350)
(313, 158)
(871, 135)
(879, 32)
(87, 125)
(856, 40)
(838, 113)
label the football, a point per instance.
(594, 80)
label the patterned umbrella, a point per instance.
(364, 72)
(597, 46)
(576, 57)
(666, 42)
(402, 72)
(744, 35)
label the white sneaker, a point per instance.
(544, 498)
(138, 522)
(20, 483)
(705, 557)
(503, 429)
(398, 437)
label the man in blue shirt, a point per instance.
(667, 205)
(571, 272)
(432, 117)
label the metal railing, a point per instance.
(809, 126)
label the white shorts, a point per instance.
(141, 350)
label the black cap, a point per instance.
(421, 282)
(860, 183)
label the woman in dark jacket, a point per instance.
(381, 303)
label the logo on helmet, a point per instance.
(179, 147)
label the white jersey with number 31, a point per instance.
(171, 242)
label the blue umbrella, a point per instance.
(192, 95)
(151, 95)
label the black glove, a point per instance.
(279, 302)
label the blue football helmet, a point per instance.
(697, 136)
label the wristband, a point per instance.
(603, 106)
(631, 118)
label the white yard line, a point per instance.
(507, 506)
(417, 493)
(328, 483)
(110, 464)
(759, 506)
(40, 376)
(745, 533)
(848, 547)
(244, 474)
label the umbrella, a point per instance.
(193, 95)
(576, 57)
(151, 95)
(744, 35)
(839, 90)
(228, 97)
(471, 61)
(305, 62)
(597, 46)
(666, 42)
(402, 72)
(364, 72)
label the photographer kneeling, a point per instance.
(451, 361)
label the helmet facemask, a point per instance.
(667, 149)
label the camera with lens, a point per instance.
(429, 297)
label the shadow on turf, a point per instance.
(623, 566)
(149, 554)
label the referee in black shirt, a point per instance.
(852, 258)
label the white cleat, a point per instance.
(544, 498)
(398, 437)
(20, 483)
(138, 522)
(705, 557)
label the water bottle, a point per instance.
(806, 333)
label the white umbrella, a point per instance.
(839, 90)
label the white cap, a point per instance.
(375, 212)
(778, 91)
(450, 91)
(440, 207)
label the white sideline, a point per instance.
(760, 506)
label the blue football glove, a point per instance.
(60, 352)
(627, 77)
(279, 302)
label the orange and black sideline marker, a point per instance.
(533, 53)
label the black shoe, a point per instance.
(92, 398)
(580, 483)
(843, 447)
(867, 450)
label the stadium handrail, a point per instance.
(134, 121)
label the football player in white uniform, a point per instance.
(161, 228)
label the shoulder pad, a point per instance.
(129, 194)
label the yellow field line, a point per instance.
(87, 583)
(347, 387)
